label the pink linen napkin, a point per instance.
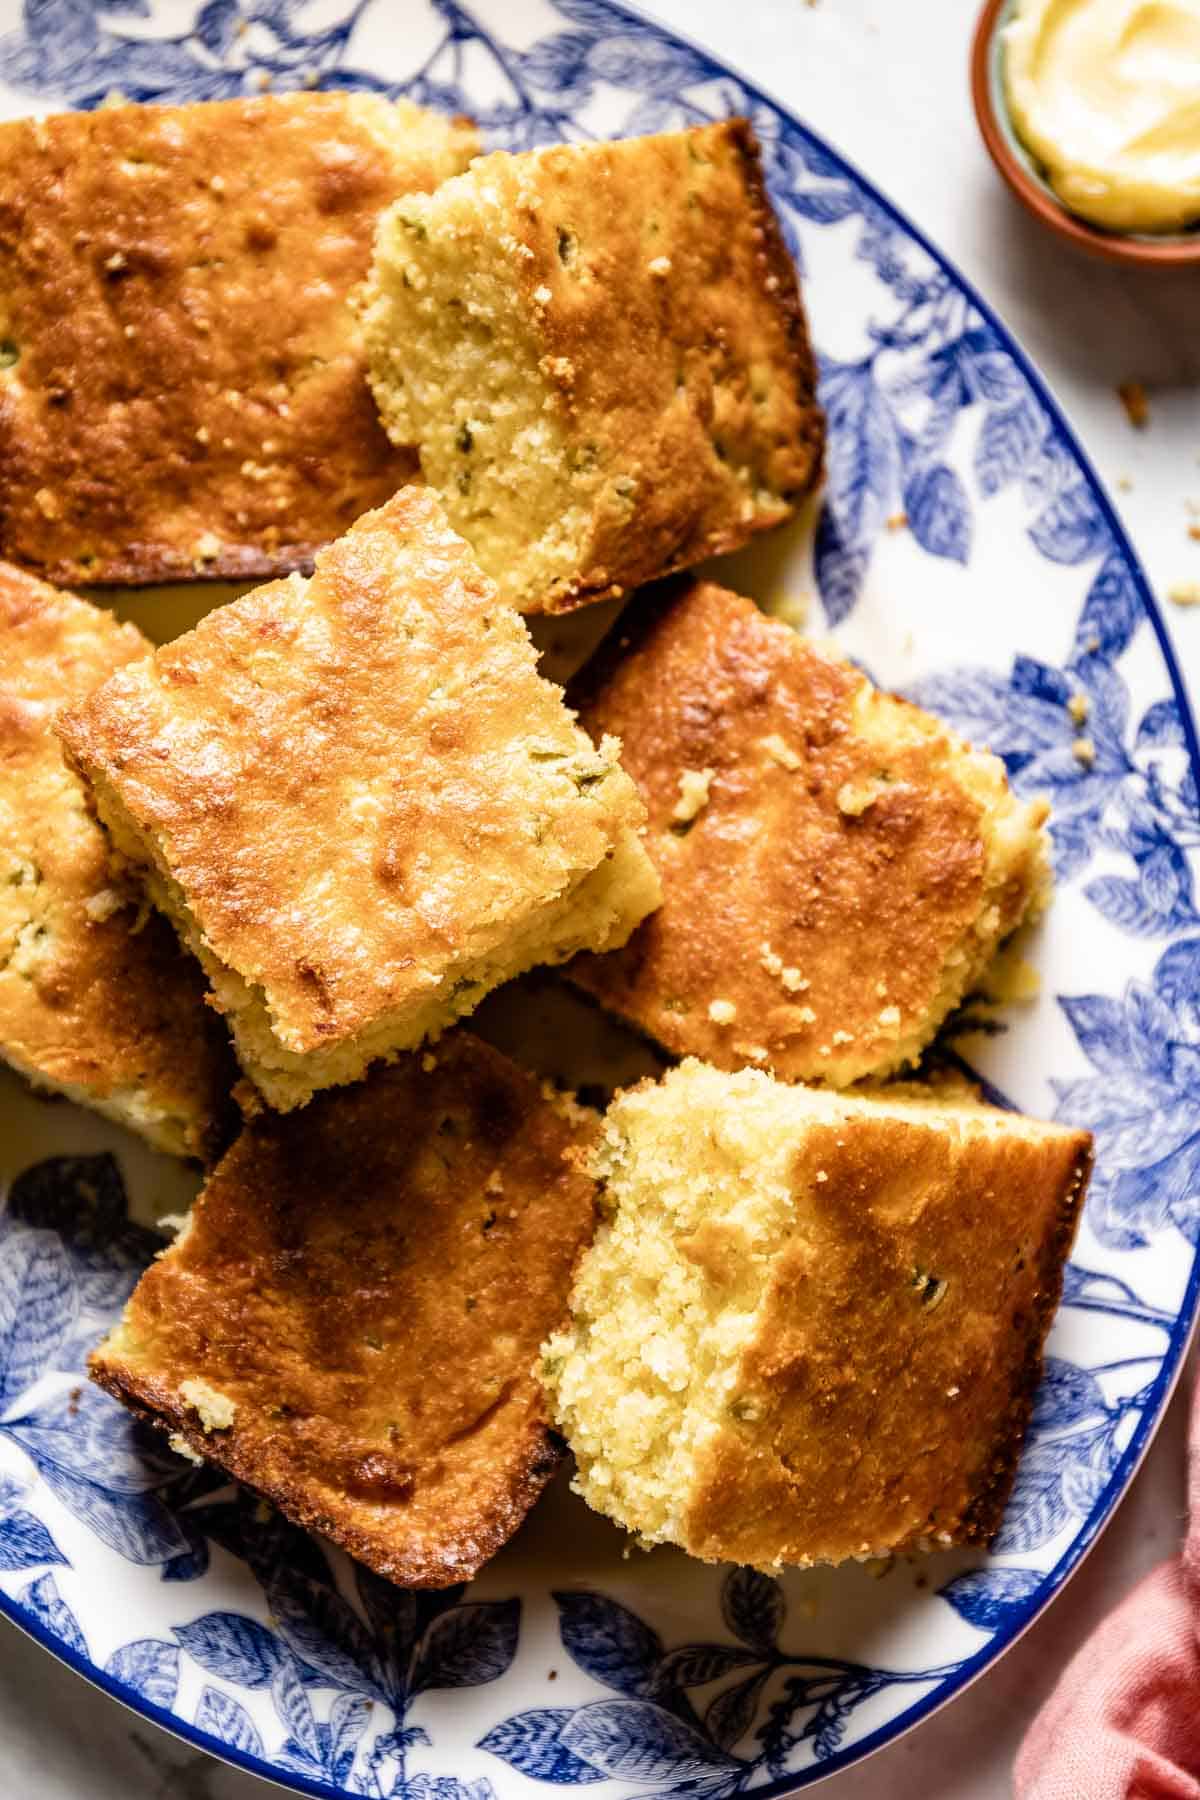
(1124, 1721)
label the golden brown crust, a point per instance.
(670, 337)
(984, 1512)
(729, 308)
(831, 928)
(359, 785)
(94, 997)
(183, 392)
(368, 1283)
(892, 1372)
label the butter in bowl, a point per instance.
(1090, 110)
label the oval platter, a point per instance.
(965, 553)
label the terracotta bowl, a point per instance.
(1021, 172)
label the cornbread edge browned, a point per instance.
(182, 392)
(812, 1325)
(96, 999)
(349, 1322)
(360, 804)
(632, 389)
(838, 867)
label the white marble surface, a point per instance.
(886, 82)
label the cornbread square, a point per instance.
(96, 999)
(601, 353)
(838, 867)
(350, 1320)
(811, 1327)
(360, 804)
(182, 388)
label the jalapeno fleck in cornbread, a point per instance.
(601, 352)
(838, 867)
(811, 1326)
(97, 1001)
(361, 805)
(350, 1320)
(182, 390)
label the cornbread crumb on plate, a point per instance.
(96, 999)
(182, 389)
(351, 1320)
(852, 870)
(1132, 395)
(601, 353)
(360, 804)
(811, 1326)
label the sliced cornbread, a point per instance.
(601, 352)
(181, 383)
(811, 1326)
(96, 1000)
(837, 866)
(350, 1320)
(361, 805)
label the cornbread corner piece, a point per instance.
(96, 1000)
(601, 352)
(350, 1321)
(838, 867)
(182, 390)
(361, 805)
(811, 1327)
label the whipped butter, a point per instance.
(1106, 95)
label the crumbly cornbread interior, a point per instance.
(96, 1001)
(44, 925)
(456, 369)
(597, 911)
(703, 1190)
(600, 351)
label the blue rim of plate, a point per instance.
(1185, 1324)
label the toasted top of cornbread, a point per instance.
(811, 1328)
(350, 1320)
(351, 783)
(95, 998)
(181, 388)
(601, 350)
(837, 865)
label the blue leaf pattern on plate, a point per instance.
(238, 1648)
(225, 1718)
(753, 1608)
(25, 1542)
(986, 1598)
(348, 1718)
(608, 1641)
(294, 1708)
(636, 1740)
(323, 1628)
(531, 1742)
(1143, 1102)
(44, 1604)
(469, 1645)
(148, 1666)
(938, 512)
(731, 1714)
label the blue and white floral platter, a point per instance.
(966, 554)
